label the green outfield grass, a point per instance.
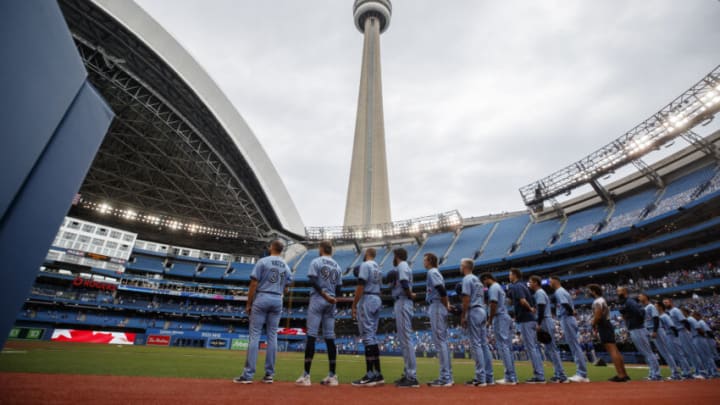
(75, 358)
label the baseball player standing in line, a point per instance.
(684, 341)
(665, 345)
(270, 277)
(634, 316)
(698, 334)
(436, 297)
(605, 330)
(326, 279)
(401, 279)
(710, 336)
(524, 308)
(651, 323)
(565, 311)
(674, 344)
(366, 310)
(546, 322)
(502, 324)
(473, 320)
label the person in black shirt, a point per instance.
(634, 316)
(524, 308)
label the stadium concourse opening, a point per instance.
(170, 231)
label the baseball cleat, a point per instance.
(379, 379)
(440, 383)
(559, 380)
(505, 382)
(303, 381)
(242, 380)
(579, 379)
(698, 377)
(365, 381)
(535, 380)
(402, 378)
(268, 379)
(474, 382)
(330, 381)
(619, 379)
(408, 383)
(652, 379)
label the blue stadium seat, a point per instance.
(239, 272)
(506, 233)
(211, 272)
(345, 257)
(150, 264)
(681, 191)
(182, 269)
(538, 236)
(581, 225)
(628, 210)
(302, 268)
(467, 244)
(437, 244)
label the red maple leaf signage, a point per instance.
(291, 331)
(91, 336)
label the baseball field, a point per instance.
(71, 373)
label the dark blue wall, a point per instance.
(52, 122)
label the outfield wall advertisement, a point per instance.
(210, 340)
(93, 336)
(158, 340)
(239, 344)
(27, 333)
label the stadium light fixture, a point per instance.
(694, 106)
(104, 208)
(405, 228)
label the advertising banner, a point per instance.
(34, 333)
(27, 333)
(92, 336)
(291, 331)
(217, 343)
(239, 344)
(158, 340)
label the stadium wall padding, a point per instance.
(53, 122)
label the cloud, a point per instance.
(480, 97)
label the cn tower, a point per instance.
(368, 197)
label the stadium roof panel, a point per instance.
(178, 147)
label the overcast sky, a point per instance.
(481, 97)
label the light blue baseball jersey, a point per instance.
(472, 288)
(404, 273)
(328, 273)
(693, 325)
(370, 272)
(704, 326)
(677, 317)
(562, 296)
(650, 313)
(497, 294)
(541, 298)
(272, 275)
(434, 279)
(666, 322)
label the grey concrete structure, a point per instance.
(368, 198)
